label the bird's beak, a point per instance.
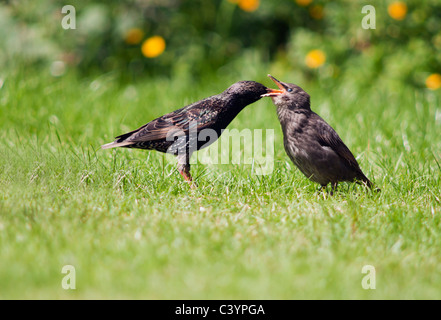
(275, 92)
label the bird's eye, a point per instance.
(289, 90)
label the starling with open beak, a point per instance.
(179, 132)
(311, 143)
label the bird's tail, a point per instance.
(116, 144)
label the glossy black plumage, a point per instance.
(178, 132)
(311, 143)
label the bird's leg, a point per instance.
(184, 170)
(323, 190)
(333, 187)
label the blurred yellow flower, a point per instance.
(153, 46)
(433, 81)
(248, 5)
(316, 12)
(134, 36)
(315, 58)
(303, 3)
(397, 10)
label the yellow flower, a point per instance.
(433, 81)
(248, 5)
(303, 3)
(134, 36)
(315, 58)
(397, 10)
(153, 46)
(316, 12)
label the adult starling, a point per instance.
(186, 130)
(311, 143)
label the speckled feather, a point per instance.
(153, 135)
(174, 129)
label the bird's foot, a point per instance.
(325, 190)
(185, 172)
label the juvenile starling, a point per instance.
(312, 144)
(193, 127)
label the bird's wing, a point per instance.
(178, 123)
(328, 137)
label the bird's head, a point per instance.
(245, 92)
(288, 95)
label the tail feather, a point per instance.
(116, 144)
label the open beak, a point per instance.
(275, 92)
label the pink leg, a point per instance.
(184, 170)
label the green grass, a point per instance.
(133, 229)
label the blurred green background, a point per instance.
(316, 40)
